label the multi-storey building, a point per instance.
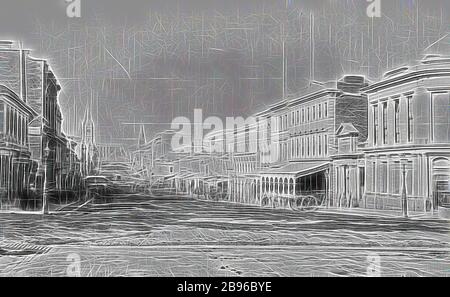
(33, 82)
(409, 137)
(306, 129)
(15, 162)
(384, 145)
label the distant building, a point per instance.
(108, 152)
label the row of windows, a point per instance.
(13, 124)
(304, 115)
(387, 178)
(315, 145)
(396, 117)
(245, 167)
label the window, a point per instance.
(385, 124)
(313, 145)
(308, 115)
(303, 115)
(19, 128)
(397, 120)
(325, 147)
(320, 111)
(2, 117)
(383, 177)
(307, 145)
(298, 117)
(375, 123)
(292, 148)
(320, 143)
(396, 178)
(303, 146)
(314, 113)
(15, 124)
(440, 114)
(410, 118)
(409, 178)
(7, 120)
(373, 180)
(325, 110)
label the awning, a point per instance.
(184, 175)
(217, 178)
(299, 169)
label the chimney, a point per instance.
(6, 44)
(352, 84)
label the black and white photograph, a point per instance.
(206, 139)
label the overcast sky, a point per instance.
(145, 61)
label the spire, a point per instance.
(142, 139)
(87, 127)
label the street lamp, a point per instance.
(45, 208)
(404, 161)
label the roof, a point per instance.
(16, 100)
(300, 169)
(430, 66)
(346, 129)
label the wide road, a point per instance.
(144, 236)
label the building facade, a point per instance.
(15, 162)
(306, 128)
(383, 145)
(36, 125)
(409, 137)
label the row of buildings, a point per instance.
(36, 158)
(381, 145)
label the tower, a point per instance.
(88, 128)
(89, 149)
(142, 138)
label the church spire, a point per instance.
(142, 138)
(88, 128)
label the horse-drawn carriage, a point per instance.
(302, 202)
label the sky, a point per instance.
(145, 62)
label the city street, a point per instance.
(143, 236)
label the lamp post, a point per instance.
(45, 208)
(404, 194)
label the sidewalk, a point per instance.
(379, 213)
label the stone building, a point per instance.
(33, 82)
(305, 129)
(409, 137)
(15, 163)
